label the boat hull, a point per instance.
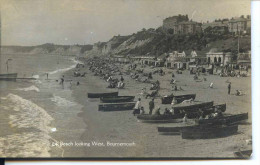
(145, 118)
(228, 120)
(99, 95)
(116, 107)
(173, 130)
(117, 99)
(208, 132)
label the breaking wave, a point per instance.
(34, 142)
(60, 101)
(31, 88)
(66, 69)
(36, 76)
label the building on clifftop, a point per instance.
(180, 25)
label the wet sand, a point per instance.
(123, 127)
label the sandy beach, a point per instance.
(123, 127)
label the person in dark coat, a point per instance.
(122, 78)
(151, 106)
(229, 88)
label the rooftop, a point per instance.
(240, 19)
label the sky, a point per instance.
(67, 22)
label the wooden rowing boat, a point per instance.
(191, 111)
(145, 118)
(228, 120)
(116, 107)
(117, 99)
(173, 130)
(98, 95)
(207, 132)
(179, 98)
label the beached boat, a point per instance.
(179, 98)
(228, 120)
(176, 129)
(173, 130)
(207, 132)
(98, 95)
(191, 111)
(146, 118)
(117, 99)
(194, 107)
(116, 107)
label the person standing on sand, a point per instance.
(122, 79)
(184, 120)
(137, 107)
(151, 106)
(211, 85)
(229, 88)
(62, 81)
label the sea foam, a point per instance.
(36, 76)
(60, 101)
(34, 141)
(28, 114)
(31, 88)
(66, 69)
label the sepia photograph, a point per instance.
(125, 79)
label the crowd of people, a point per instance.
(107, 70)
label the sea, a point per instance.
(31, 111)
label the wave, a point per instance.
(63, 70)
(36, 76)
(25, 145)
(28, 113)
(66, 69)
(37, 81)
(31, 88)
(60, 101)
(34, 140)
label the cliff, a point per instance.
(156, 42)
(151, 41)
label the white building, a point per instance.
(214, 56)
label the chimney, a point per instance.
(242, 16)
